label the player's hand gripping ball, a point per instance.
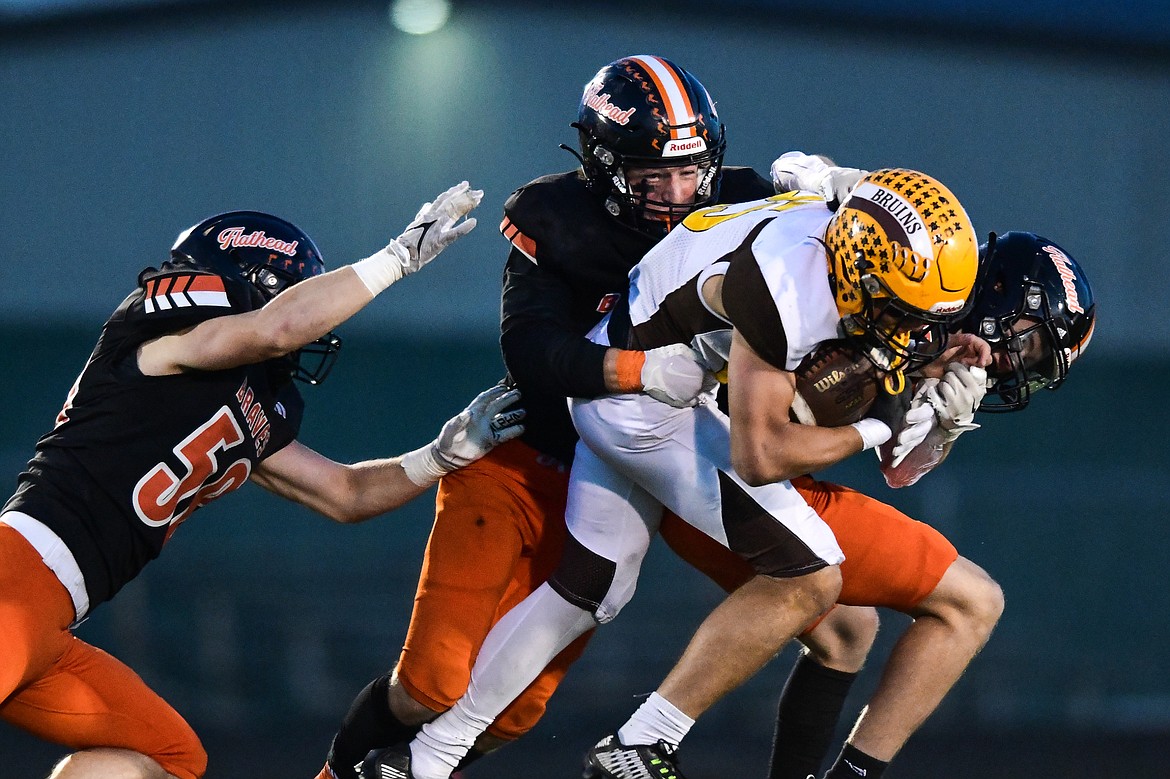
(835, 385)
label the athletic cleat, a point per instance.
(389, 763)
(610, 759)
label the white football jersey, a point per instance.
(776, 288)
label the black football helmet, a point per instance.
(1035, 307)
(646, 112)
(271, 255)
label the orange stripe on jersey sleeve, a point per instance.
(206, 283)
(518, 239)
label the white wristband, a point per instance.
(379, 270)
(422, 467)
(873, 432)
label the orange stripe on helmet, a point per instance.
(1079, 347)
(679, 109)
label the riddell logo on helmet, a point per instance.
(599, 102)
(947, 307)
(234, 238)
(680, 146)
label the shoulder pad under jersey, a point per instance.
(173, 298)
(542, 211)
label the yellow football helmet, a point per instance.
(902, 261)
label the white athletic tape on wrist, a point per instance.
(874, 432)
(380, 270)
(422, 467)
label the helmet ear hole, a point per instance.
(270, 281)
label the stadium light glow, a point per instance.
(419, 17)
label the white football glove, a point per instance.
(465, 438)
(433, 229)
(672, 375)
(795, 170)
(956, 396)
(916, 425)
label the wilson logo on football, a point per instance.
(823, 385)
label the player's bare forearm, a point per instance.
(344, 493)
(309, 310)
(766, 446)
(767, 450)
(300, 315)
(379, 486)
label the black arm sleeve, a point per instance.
(542, 349)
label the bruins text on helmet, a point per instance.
(1035, 307)
(271, 254)
(645, 112)
(903, 260)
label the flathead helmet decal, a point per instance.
(600, 103)
(1067, 278)
(234, 238)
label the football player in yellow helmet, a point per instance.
(903, 258)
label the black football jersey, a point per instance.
(131, 456)
(568, 267)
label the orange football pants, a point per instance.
(61, 689)
(890, 559)
(498, 534)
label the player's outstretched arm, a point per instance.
(353, 493)
(308, 310)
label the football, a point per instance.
(835, 385)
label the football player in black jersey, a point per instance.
(651, 149)
(187, 395)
